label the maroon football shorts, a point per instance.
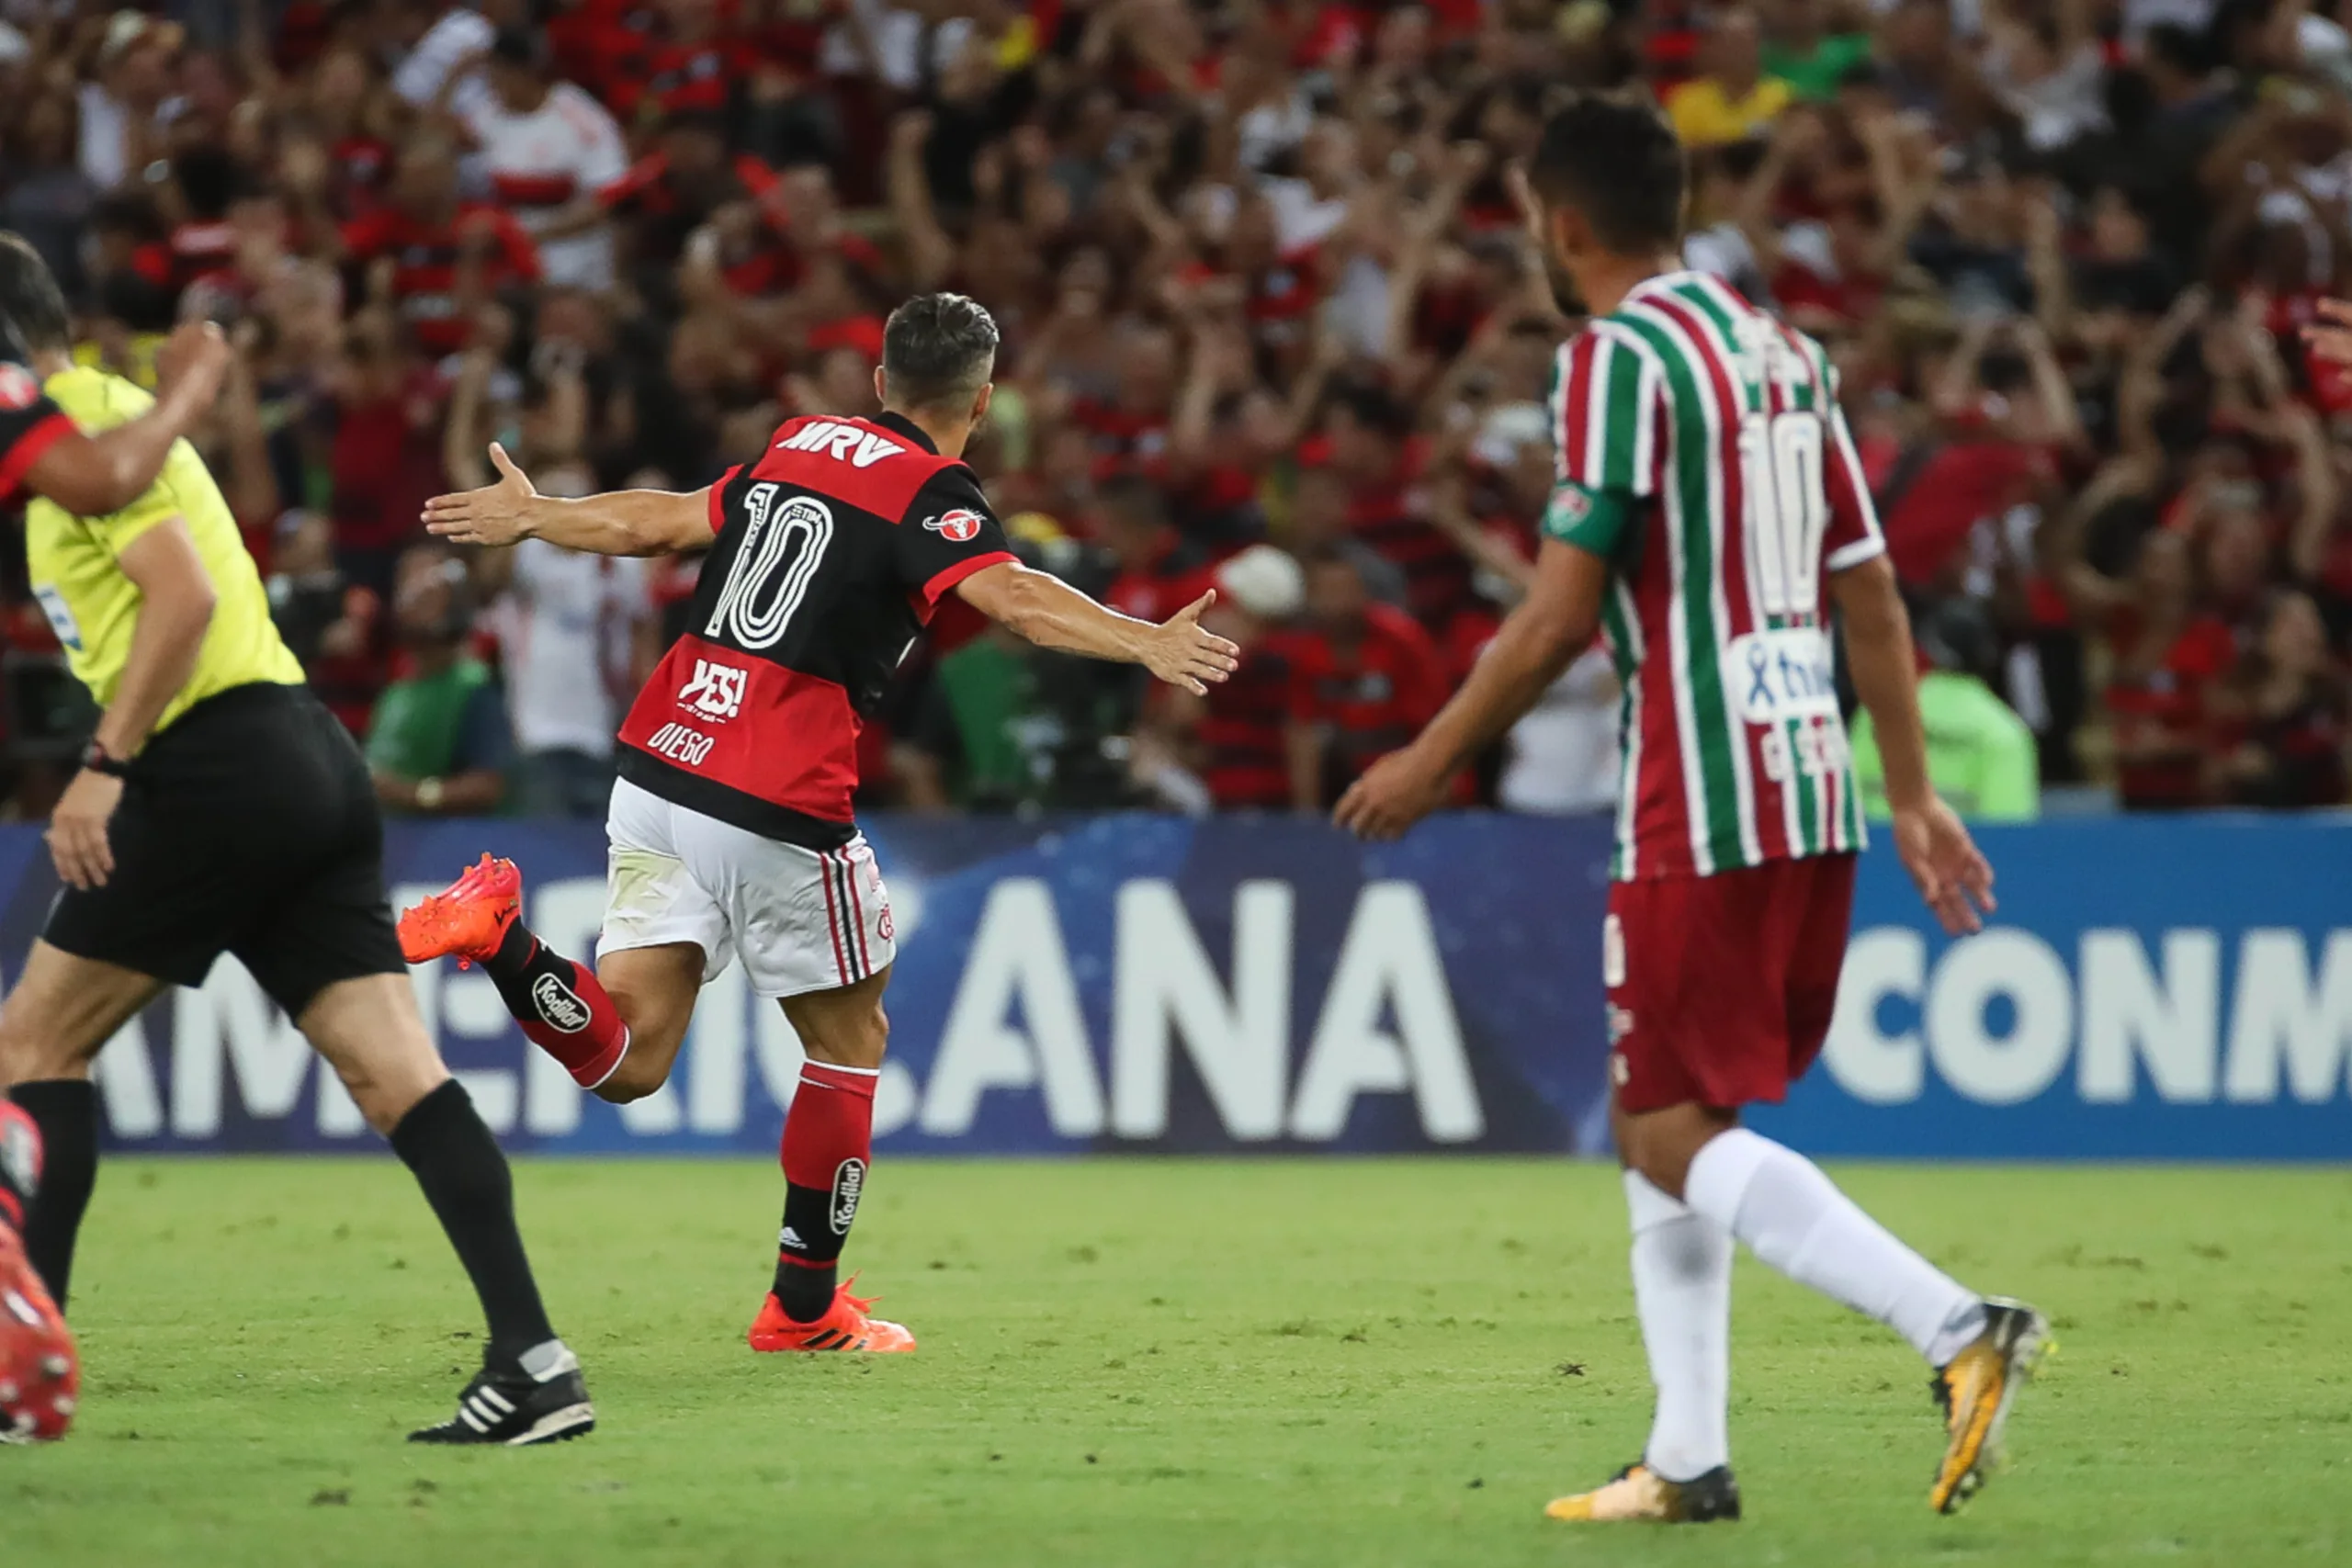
(1721, 988)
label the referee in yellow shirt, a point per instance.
(221, 808)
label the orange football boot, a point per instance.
(844, 1326)
(468, 918)
(40, 1371)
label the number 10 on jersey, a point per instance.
(1787, 508)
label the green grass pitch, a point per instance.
(1270, 1364)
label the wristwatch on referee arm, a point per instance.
(96, 759)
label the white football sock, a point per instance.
(1682, 1290)
(1795, 1219)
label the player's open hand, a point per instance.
(1187, 654)
(1951, 873)
(1394, 792)
(495, 515)
(77, 829)
(2330, 340)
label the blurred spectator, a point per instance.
(575, 631)
(2286, 714)
(1159, 571)
(1980, 754)
(2168, 653)
(383, 460)
(549, 151)
(48, 196)
(1562, 758)
(438, 742)
(333, 624)
(1800, 49)
(1231, 746)
(125, 104)
(1364, 677)
(1731, 99)
(433, 258)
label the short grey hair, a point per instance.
(938, 349)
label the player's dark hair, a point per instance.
(30, 297)
(938, 351)
(1615, 160)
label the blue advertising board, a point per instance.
(2152, 989)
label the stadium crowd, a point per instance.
(1272, 325)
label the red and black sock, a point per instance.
(560, 1005)
(828, 1143)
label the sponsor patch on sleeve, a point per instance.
(960, 527)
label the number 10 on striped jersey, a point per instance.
(1787, 509)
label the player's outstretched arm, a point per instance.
(1050, 612)
(92, 476)
(618, 523)
(1951, 873)
(1553, 624)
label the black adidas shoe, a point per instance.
(1637, 1495)
(543, 1400)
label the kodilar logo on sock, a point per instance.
(559, 1005)
(849, 1180)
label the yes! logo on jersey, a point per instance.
(958, 528)
(18, 388)
(716, 691)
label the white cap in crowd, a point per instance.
(1264, 580)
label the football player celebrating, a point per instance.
(731, 830)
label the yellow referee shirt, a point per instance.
(94, 607)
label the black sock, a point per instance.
(807, 1257)
(66, 1111)
(457, 1162)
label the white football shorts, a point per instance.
(800, 920)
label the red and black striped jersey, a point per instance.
(427, 258)
(29, 423)
(832, 552)
(1244, 752)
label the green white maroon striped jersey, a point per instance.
(1703, 455)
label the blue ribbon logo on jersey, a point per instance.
(1789, 674)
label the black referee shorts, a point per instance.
(248, 827)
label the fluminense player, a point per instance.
(731, 830)
(1708, 515)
